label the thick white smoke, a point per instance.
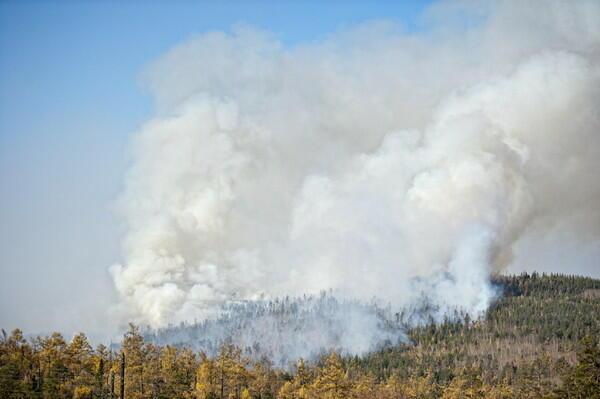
(375, 162)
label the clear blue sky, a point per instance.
(69, 101)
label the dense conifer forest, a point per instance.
(538, 340)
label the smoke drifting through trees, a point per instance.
(375, 162)
(292, 328)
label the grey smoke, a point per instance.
(375, 162)
(284, 330)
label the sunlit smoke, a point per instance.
(376, 162)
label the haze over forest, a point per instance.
(375, 162)
(299, 200)
(392, 162)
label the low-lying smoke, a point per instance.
(376, 162)
(285, 330)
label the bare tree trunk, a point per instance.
(222, 380)
(112, 384)
(122, 376)
(142, 379)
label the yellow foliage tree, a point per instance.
(423, 387)
(500, 391)
(365, 387)
(392, 388)
(245, 394)
(207, 379)
(331, 381)
(467, 385)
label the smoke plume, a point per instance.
(376, 162)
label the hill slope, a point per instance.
(530, 333)
(538, 340)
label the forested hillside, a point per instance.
(539, 340)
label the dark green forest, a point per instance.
(538, 340)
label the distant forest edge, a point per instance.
(538, 340)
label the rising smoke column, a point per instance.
(376, 163)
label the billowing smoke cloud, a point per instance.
(377, 163)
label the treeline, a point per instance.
(538, 341)
(285, 329)
(528, 339)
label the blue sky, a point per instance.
(70, 98)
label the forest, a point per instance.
(538, 340)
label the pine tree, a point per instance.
(584, 380)
(80, 365)
(133, 348)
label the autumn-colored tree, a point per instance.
(233, 376)
(177, 368)
(288, 391)
(364, 387)
(499, 391)
(299, 387)
(80, 365)
(467, 385)
(133, 348)
(17, 374)
(262, 381)
(154, 381)
(392, 388)
(245, 394)
(420, 387)
(55, 375)
(207, 379)
(331, 381)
